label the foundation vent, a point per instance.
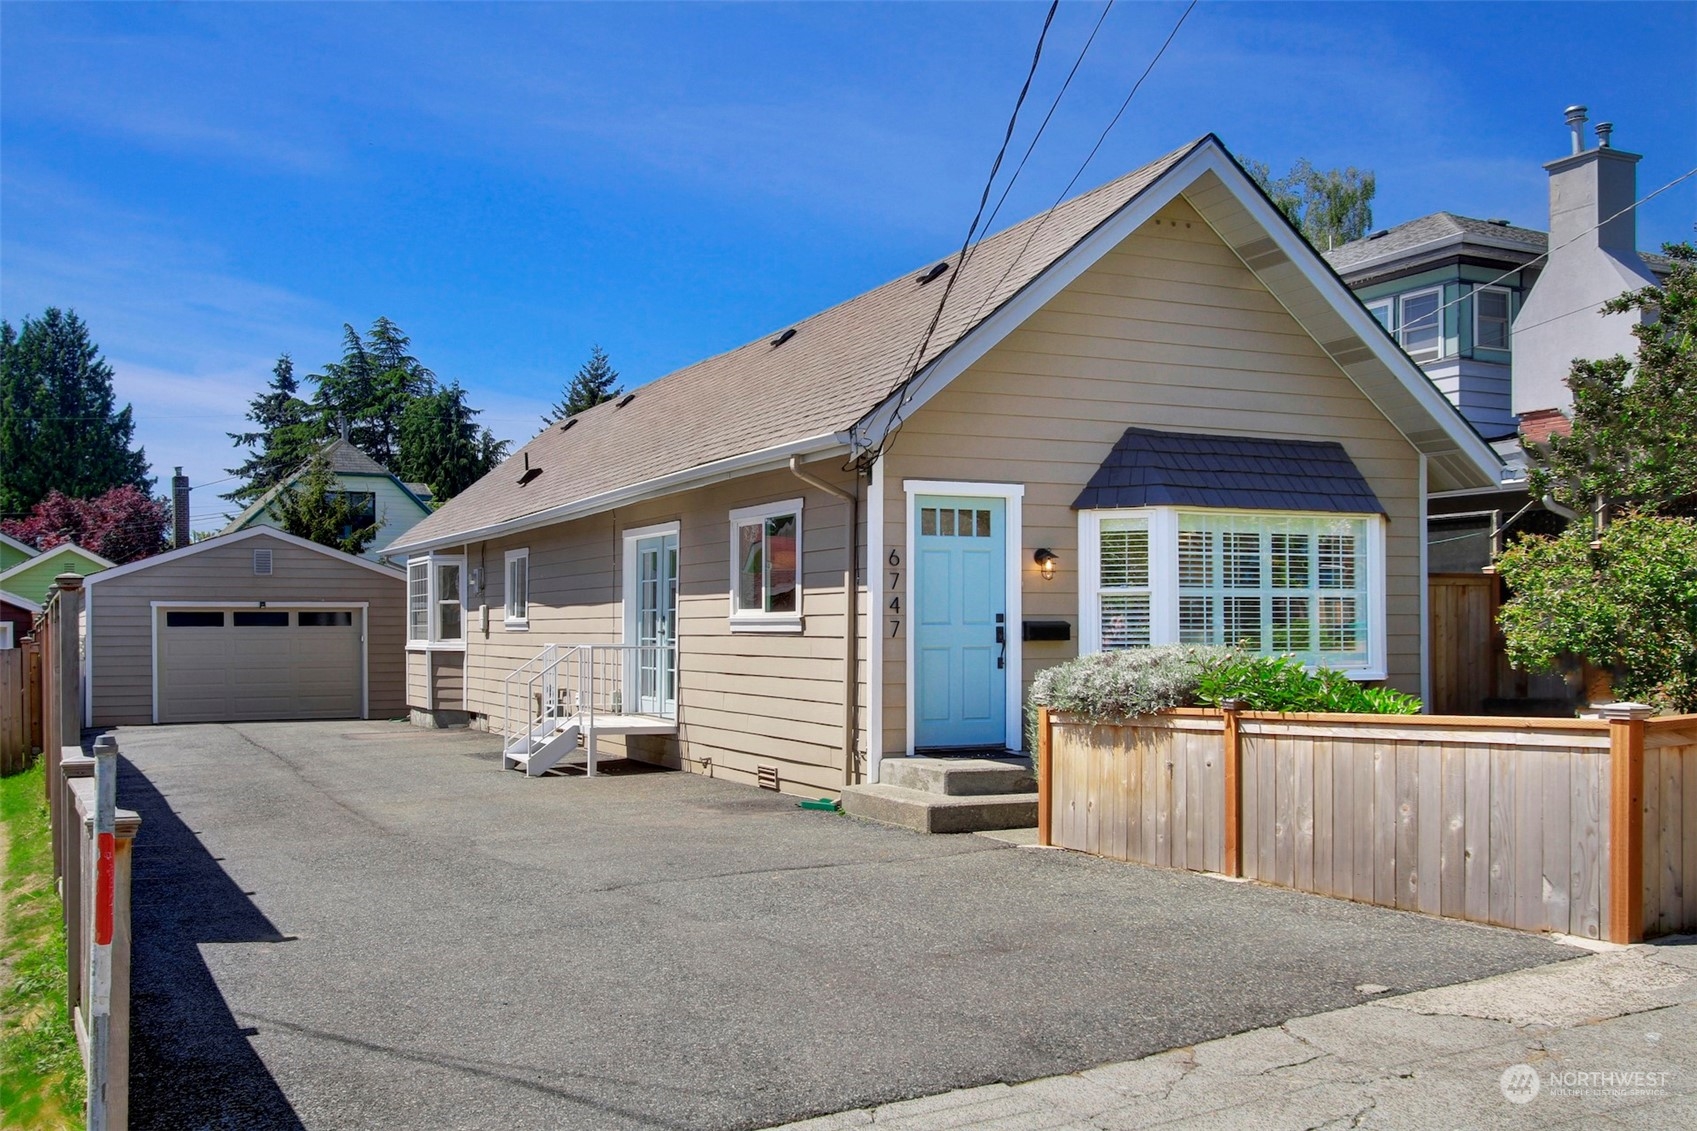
(768, 776)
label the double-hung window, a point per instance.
(436, 602)
(517, 589)
(1490, 318)
(766, 567)
(1274, 584)
(1420, 323)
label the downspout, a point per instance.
(851, 604)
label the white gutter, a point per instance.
(749, 463)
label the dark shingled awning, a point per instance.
(1152, 468)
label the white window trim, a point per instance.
(1163, 576)
(1508, 318)
(756, 620)
(511, 622)
(432, 602)
(5, 634)
(627, 570)
(1014, 495)
(1389, 303)
(1437, 351)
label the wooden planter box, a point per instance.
(1585, 827)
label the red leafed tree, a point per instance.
(123, 525)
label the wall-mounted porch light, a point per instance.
(1046, 560)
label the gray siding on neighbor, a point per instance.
(121, 643)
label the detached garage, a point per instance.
(252, 626)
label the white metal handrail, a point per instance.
(586, 682)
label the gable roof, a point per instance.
(1428, 235)
(1156, 468)
(46, 556)
(828, 389)
(24, 603)
(24, 547)
(345, 459)
(219, 540)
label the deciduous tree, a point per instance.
(1329, 207)
(122, 525)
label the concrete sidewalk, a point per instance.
(1599, 1042)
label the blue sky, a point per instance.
(211, 185)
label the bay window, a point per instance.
(1307, 585)
(436, 602)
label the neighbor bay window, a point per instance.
(436, 602)
(1275, 584)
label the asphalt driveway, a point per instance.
(366, 924)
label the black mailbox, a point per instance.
(1048, 630)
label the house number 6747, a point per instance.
(895, 602)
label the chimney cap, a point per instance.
(1604, 129)
(1576, 115)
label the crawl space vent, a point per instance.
(262, 563)
(768, 776)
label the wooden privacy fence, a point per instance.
(91, 861)
(20, 707)
(1585, 827)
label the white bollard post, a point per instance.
(99, 996)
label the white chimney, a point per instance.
(1593, 257)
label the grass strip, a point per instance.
(41, 1073)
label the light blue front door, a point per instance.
(959, 621)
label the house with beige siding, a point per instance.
(255, 625)
(1150, 414)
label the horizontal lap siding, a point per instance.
(745, 699)
(122, 645)
(1169, 330)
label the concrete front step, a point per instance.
(940, 813)
(959, 777)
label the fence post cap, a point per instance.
(1624, 712)
(106, 744)
(68, 580)
(1233, 703)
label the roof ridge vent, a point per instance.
(935, 273)
(784, 337)
(625, 400)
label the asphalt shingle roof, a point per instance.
(1446, 227)
(838, 366)
(1155, 468)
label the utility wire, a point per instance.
(1687, 175)
(911, 366)
(1038, 227)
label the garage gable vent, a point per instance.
(262, 563)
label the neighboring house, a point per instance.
(1151, 414)
(1496, 314)
(12, 552)
(33, 577)
(17, 618)
(247, 626)
(378, 495)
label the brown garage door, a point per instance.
(236, 665)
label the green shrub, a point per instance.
(1281, 683)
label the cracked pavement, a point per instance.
(1430, 1059)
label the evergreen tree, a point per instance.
(441, 444)
(315, 508)
(370, 388)
(596, 381)
(288, 433)
(60, 428)
(1329, 207)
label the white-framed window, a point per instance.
(1384, 309)
(1420, 323)
(1279, 584)
(516, 588)
(5, 634)
(1491, 318)
(436, 602)
(766, 567)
